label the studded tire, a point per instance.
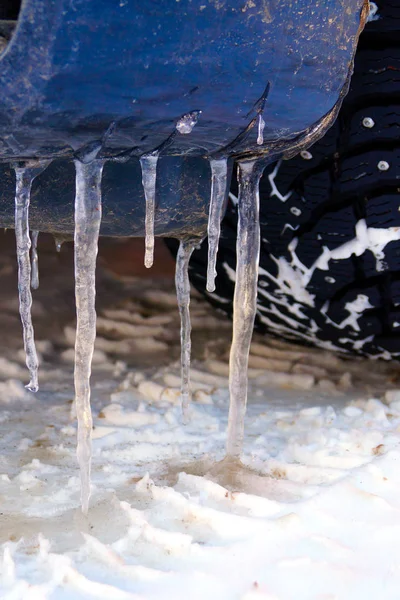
(330, 219)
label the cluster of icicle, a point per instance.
(88, 210)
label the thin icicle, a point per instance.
(87, 226)
(245, 300)
(261, 125)
(35, 261)
(24, 178)
(183, 296)
(218, 193)
(149, 176)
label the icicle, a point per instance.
(245, 300)
(261, 125)
(87, 226)
(149, 175)
(24, 178)
(183, 296)
(218, 192)
(35, 261)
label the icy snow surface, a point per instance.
(312, 513)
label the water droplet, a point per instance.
(187, 122)
(261, 126)
(58, 242)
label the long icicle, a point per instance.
(148, 165)
(245, 300)
(183, 296)
(24, 178)
(87, 226)
(35, 261)
(218, 193)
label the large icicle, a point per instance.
(35, 261)
(218, 192)
(87, 226)
(183, 295)
(24, 178)
(245, 300)
(148, 165)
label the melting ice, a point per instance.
(183, 296)
(24, 179)
(261, 126)
(88, 210)
(35, 261)
(148, 165)
(187, 122)
(87, 227)
(245, 300)
(218, 191)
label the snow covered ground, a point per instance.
(311, 513)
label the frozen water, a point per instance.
(187, 122)
(22, 198)
(58, 242)
(24, 178)
(149, 176)
(87, 226)
(261, 125)
(183, 296)
(218, 193)
(35, 261)
(245, 299)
